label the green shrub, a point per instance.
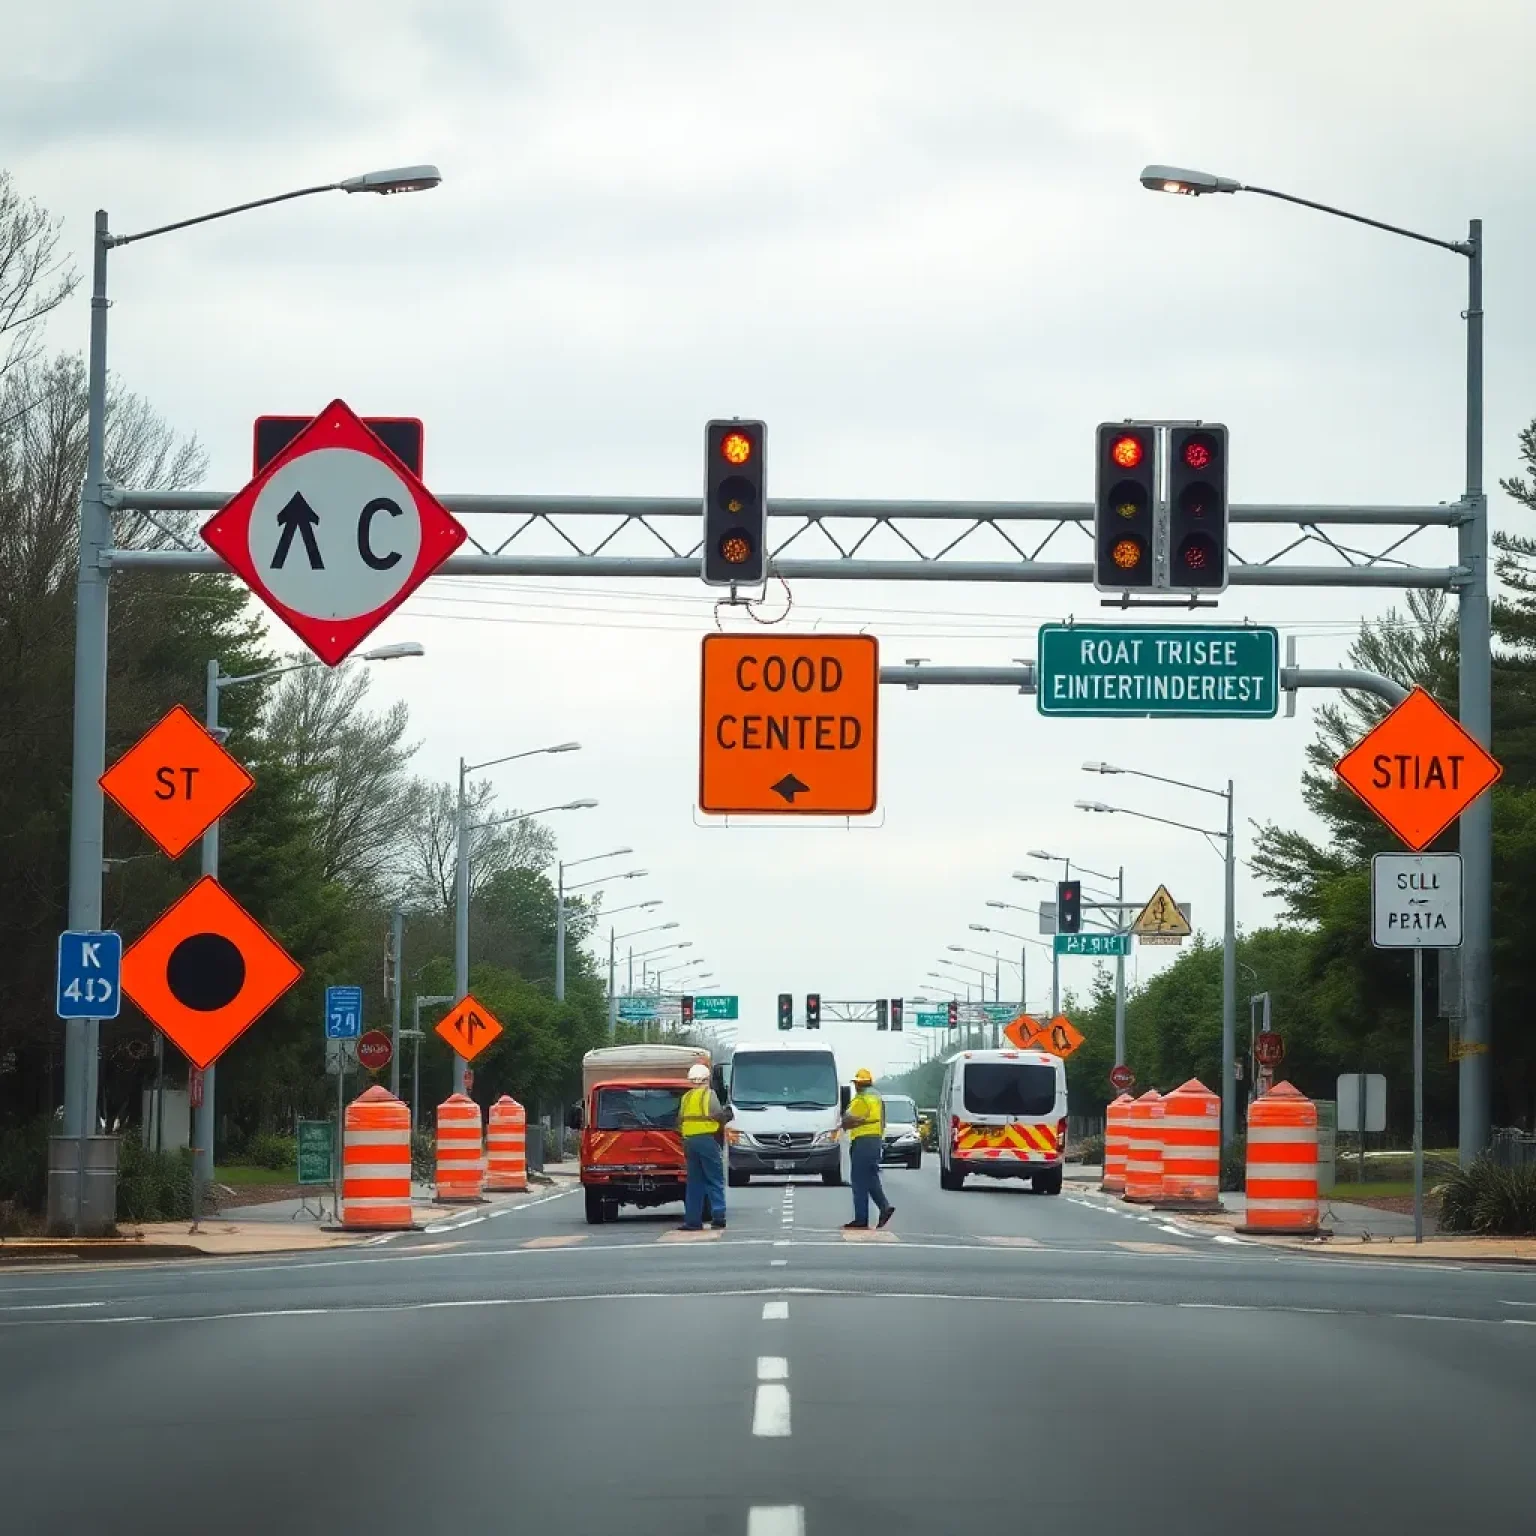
(1087, 1149)
(1489, 1200)
(153, 1186)
(268, 1150)
(24, 1164)
(423, 1157)
(1234, 1164)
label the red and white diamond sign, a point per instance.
(334, 534)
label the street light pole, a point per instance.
(560, 889)
(1474, 647)
(1121, 923)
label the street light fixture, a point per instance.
(1474, 683)
(561, 888)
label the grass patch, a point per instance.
(237, 1174)
(1347, 1191)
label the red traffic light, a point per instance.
(1127, 451)
(1198, 451)
(736, 448)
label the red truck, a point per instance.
(631, 1153)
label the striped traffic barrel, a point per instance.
(1144, 1149)
(376, 1162)
(506, 1145)
(1282, 1164)
(460, 1150)
(1116, 1126)
(1192, 1147)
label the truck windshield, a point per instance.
(629, 1109)
(784, 1080)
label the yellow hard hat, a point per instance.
(863, 1075)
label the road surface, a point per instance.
(997, 1360)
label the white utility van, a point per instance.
(788, 1105)
(1003, 1114)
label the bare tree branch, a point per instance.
(34, 278)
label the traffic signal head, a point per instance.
(786, 1010)
(882, 1013)
(686, 1006)
(896, 1012)
(1125, 496)
(735, 504)
(813, 1010)
(1069, 906)
(954, 1013)
(1197, 508)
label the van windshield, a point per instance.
(629, 1109)
(784, 1080)
(1022, 1089)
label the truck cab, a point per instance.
(631, 1152)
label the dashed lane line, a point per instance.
(776, 1520)
(775, 1311)
(770, 1411)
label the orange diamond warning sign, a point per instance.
(1418, 770)
(469, 1028)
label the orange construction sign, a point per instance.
(1021, 1031)
(1418, 770)
(1060, 1037)
(788, 725)
(205, 970)
(469, 1028)
(176, 781)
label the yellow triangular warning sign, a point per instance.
(1161, 915)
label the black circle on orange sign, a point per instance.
(205, 972)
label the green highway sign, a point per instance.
(1111, 944)
(933, 1020)
(1160, 671)
(1001, 1013)
(637, 1010)
(709, 1006)
(317, 1148)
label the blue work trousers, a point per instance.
(864, 1174)
(706, 1181)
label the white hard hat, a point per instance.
(698, 1073)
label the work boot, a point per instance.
(855, 1226)
(886, 1215)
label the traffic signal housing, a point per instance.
(896, 1012)
(813, 1010)
(882, 1013)
(1069, 906)
(786, 1010)
(1124, 503)
(685, 1006)
(735, 551)
(954, 1013)
(1197, 508)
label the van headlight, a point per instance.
(735, 1138)
(826, 1138)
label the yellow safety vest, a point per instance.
(693, 1117)
(867, 1104)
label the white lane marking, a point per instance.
(1521, 1322)
(770, 1411)
(1235, 1242)
(776, 1520)
(53, 1306)
(1177, 1231)
(772, 1368)
(528, 1205)
(777, 1263)
(1517, 1303)
(781, 1243)
(1433, 1317)
(774, 1311)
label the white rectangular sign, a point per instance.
(1416, 901)
(1375, 1102)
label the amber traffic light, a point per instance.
(735, 549)
(1125, 494)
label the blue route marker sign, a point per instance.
(89, 975)
(343, 1013)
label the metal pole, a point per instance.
(340, 1145)
(1023, 978)
(560, 933)
(203, 1158)
(1120, 976)
(1229, 988)
(1066, 874)
(613, 998)
(1418, 1096)
(397, 947)
(88, 757)
(629, 986)
(415, 1064)
(1475, 1077)
(461, 915)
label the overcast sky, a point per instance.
(911, 238)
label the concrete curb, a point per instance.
(19, 1250)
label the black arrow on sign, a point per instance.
(789, 786)
(301, 518)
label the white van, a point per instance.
(1003, 1114)
(788, 1104)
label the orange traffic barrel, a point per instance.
(1282, 1164)
(376, 1162)
(1144, 1149)
(1192, 1147)
(460, 1150)
(506, 1145)
(1117, 1120)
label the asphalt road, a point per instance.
(996, 1356)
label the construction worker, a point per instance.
(701, 1119)
(864, 1120)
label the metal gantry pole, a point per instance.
(1475, 1076)
(613, 997)
(1229, 986)
(202, 1158)
(89, 747)
(397, 953)
(560, 932)
(1418, 1098)
(1123, 926)
(461, 913)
